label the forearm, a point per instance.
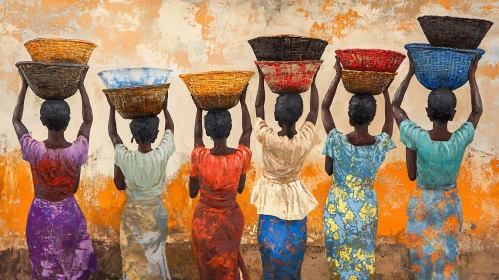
(388, 126)
(247, 127)
(87, 113)
(112, 129)
(327, 117)
(476, 99)
(18, 114)
(260, 100)
(198, 129)
(314, 105)
(169, 121)
(402, 89)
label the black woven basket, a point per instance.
(287, 48)
(454, 32)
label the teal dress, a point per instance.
(351, 212)
(434, 210)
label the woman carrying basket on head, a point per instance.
(219, 174)
(56, 231)
(142, 173)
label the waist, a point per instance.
(210, 203)
(144, 200)
(42, 203)
(437, 188)
(278, 179)
(53, 194)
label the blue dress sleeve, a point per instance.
(465, 134)
(331, 143)
(385, 142)
(410, 134)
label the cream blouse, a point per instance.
(280, 192)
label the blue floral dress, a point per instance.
(351, 212)
(434, 212)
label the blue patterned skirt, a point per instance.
(282, 247)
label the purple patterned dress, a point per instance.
(58, 241)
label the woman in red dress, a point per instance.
(219, 174)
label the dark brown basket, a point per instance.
(138, 102)
(216, 102)
(52, 80)
(287, 48)
(454, 32)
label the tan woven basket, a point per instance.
(366, 82)
(60, 50)
(138, 102)
(217, 90)
(52, 80)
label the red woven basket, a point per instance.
(370, 60)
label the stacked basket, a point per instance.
(454, 42)
(57, 66)
(368, 71)
(288, 62)
(136, 92)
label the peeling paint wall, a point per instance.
(202, 35)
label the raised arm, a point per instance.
(111, 127)
(388, 126)
(198, 128)
(260, 96)
(476, 100)
(168, 118)
(87, 114)
(327, 118)
(247, 128)
(398, 112)
(18, 111)
(314, 103)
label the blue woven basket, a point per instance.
(441, 67)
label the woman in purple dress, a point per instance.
(58, 241)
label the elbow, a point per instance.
(412, 177)
(193, 194)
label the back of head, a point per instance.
(218, 124)
(145, 130)
(361, 109)
(55, 114)
(288, 108)
(441, 105)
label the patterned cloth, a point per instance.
(434, 211)
(282, 247)
(351, 212)
(144, 223)
(218, 222)
(56, 231)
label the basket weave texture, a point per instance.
(52, 80)
(287, 48)
(370, 60)
(454, 32)
(289, 77)
(366, 82)
(60, 50)
(441, 67)
(138, 102)
(217, 90)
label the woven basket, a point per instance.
(287, 48)
(366, 82)
(289, 77)
(370, 60)
(60, 50)
(441, 67)
(134, 77)
(52, 80)
(138, 102)
(217, 90)
(454, 32)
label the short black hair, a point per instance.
(218, 124)
(145, 130)
(288, 108)
(362, 109)
(55, 114)
(441, 105)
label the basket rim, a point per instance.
(219, 72)
(59, 39)
(487, 22)
(133, 68)
(378, 50)
(409, 47)
(112, 90)
(378, 73)
(286, 35)
(265, 62)
(75, 65)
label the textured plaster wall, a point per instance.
(193, 36)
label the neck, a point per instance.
(361, 129)
(56, 136)
(145, 147)
(441, 127)
(219, 143)
(288, 130)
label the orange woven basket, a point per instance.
(60, 50)
(217, 90)
(366, 82)
(138, 102)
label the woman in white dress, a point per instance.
(142, 173)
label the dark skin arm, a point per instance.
(411, 159)
(260, 97)
(476, 100)
(87, 114)
(314, 103)
(399, 113)
(119, 178)
(168, 118)
(246, 121)
(198, 141)
(327, 117)
(18, 111)
(388, 126)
